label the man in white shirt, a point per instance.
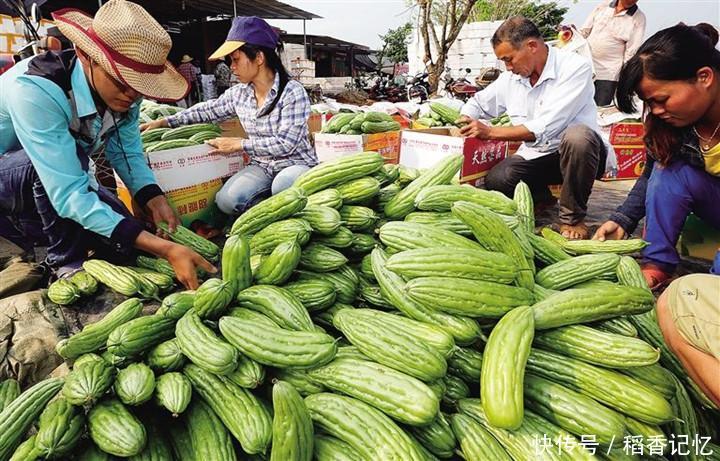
(548, 94)
(614, 31)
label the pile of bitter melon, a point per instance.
(373, 312)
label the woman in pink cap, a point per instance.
(273, 111)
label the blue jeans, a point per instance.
(673, 192)
(28, 218)
(251, 185)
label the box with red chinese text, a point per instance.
(190, 178)
(329, 146)
(423, 148)
(630, 163)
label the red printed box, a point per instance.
(630, 163)
(627, 134)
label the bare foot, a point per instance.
(579, 231)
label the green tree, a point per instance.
(395, 43)
(547, 15)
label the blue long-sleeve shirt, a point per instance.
(35, 115)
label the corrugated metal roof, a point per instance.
(183, 10)
(323, 40)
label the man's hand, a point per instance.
(185, 261)
(224, 146)
(474, 128)
(160, 210)
(610, 230)
(161, 123)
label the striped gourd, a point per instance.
(686, 422)
(315, 295)
(615, 390)
(358, 218)
(346, 288)
(139, 335)
(566, 444)
(542, 293)
(236, 262)
(443, 220)
(519, 444)
(202, 136)
(9, 391)
(617, 325)
(152, 135)
(654, 376)
(441, 198)
(210, 440)
(569, 272)
(185, 236)
(166, 356)
(169, 144)
(19, 415)
(387, 193)
(454, 262)
(327, 197)
(258, 340)
(573, 411)
(292, 428)
(146, 288)
(176, 304)
(59, 429)
(651, 436)
(278, 232)
(629, 273)
(367, 430)
(402, 397)
(546, 251)
(248, 374)
(338, 171)
(203, 347)
(437, 437)
(475, 441)
(525, 207)
(392, 348)
(279, 265)
(583, 305)
(278, 207)
(278, 304)
(442, 173)
(410, 236)
(173, 392)
(27, 451)
(115, 430)
(463, 329)
(601, 348)
(328, 448)
(163, 281)
(359, 190)
(342, 238)
(320, 258)
(471, 298)
(323, 219)
(135, 384)
(111, 275)
(466, 363)
(494, 235)
(299, 379)
(85, 283)
(371, 295)
(88, 382)
(580, 247)
(363, 244)
(94, 335)
(156, 264)
(184, 132)
(503, 368)
(212, 298)
(242, 413)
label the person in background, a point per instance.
(272, 108)
(222, 77)
(548, 94)
(687, 313)
(58, 109)
(676, 72)
(189, 71)
(614, 31)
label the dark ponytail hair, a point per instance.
(675, 53)
(272, 59)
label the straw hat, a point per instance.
(185, 59)
(128, 44)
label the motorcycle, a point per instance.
(385, 89)
(419, 89)
(461, 88)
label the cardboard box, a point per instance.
(627, 134)
(190, 178)
(329, 145)
(423, 148)
(630, 163)
(316, 122)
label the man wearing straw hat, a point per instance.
(56, 109)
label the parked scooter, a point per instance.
(385, 89)
(461, 88)
(419, 89)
